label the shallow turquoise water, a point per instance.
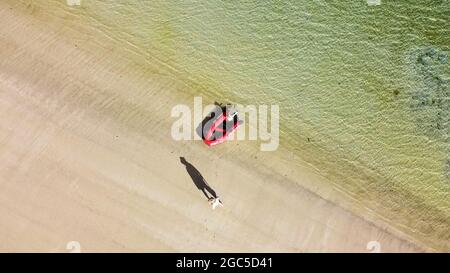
(367, 85)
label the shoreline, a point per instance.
(88, 132)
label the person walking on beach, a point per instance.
(201, 184)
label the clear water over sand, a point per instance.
(363, 90)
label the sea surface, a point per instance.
(363, 89)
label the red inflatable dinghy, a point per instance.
(219, 131)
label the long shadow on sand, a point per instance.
(198, 179)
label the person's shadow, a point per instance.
(198, 180)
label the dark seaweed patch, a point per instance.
(430, 97)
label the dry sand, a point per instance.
(86, 156)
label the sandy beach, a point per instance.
(87, 156)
